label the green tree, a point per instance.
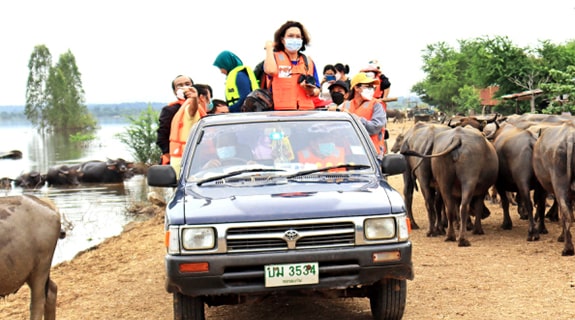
(140, 136)
(488, 61)
(467, 99)
(561, 91)
(441, 64)
(54, 94)
(66, 108)
(39, 65)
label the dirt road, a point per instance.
(501, 276)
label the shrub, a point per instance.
(140, 136)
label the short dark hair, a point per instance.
(180, 75)
(203, 89)
(328, 67)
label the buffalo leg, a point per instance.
(507, 223)
(566, 215)
(408, 187)
(451, 213)
(539, 197)
(51, 294)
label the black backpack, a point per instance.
(258, 100)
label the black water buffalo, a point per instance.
(12, 155)
(110, 171)
(30, 180)
(553, 163)
(514, 148)
(464, 166)
(29, 232)
(63, 175)
(396, 114)
(6, 183)
(420, 138)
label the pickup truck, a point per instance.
(290, 203)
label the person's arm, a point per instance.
(312, 91)
(270, 65)
(378, 120)
(191, 103)
(385, 85)
(244, 86)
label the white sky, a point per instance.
(130, 51)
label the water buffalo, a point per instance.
(464, 166)
(6, 183)
(30, 180)
(63, 175)
(553, 163)
(472, 121)
(12, 155)
(514, 149)
(29, 232)
(396, 114)
(420, 138)
(110, 171)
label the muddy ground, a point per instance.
(500, 276)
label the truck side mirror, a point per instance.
(393, 163)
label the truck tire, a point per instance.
(188, 308)
(387, 299)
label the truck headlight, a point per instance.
(381, 228)
(198, 238)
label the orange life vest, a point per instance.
(366, 113)
(177, 138)
(287, 93)
(306, 156)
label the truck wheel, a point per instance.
(188, 308)
(387, 299)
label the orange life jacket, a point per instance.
(287, 93)
(306, 156)
(177, 138)
(367, 113)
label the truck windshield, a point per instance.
(289, 146)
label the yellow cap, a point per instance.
(363, 78)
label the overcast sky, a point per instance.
(130, 51)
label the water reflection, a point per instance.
(93, 212)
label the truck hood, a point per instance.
(296, 203)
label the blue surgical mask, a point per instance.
(326, 149)
(293, 44)
(210, 105)
(226, 152)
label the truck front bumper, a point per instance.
(243, 273)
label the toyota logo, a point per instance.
(291, 235)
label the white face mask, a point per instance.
(180, 93)
(337, 76)
(367, 93)
(293, 44)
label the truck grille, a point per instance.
(294, 236)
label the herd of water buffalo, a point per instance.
(93, 171)
(456, 164)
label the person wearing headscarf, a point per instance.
(240, 79)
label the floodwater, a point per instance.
(90, 213)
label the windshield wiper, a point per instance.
(235, 173)
(347, 166)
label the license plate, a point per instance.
(293, 274)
